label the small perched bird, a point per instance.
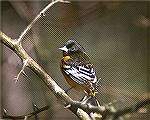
(77, 69)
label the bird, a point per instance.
(78, 71)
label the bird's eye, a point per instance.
(73, 48)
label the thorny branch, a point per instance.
(78, 108)
(41, 14)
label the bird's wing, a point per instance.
(81, 75)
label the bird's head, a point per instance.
(72, 47)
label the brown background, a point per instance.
(114, 34)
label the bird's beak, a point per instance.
(64, 49)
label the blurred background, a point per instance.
(115, 35)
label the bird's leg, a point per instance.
(85, 98)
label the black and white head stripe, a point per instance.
(81, 74)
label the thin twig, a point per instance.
(131, 109)
(41, 14)
(28, 115)
(22, 69)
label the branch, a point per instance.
(25, 116)
(41, 14)
(131, 109)
(50, 83)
